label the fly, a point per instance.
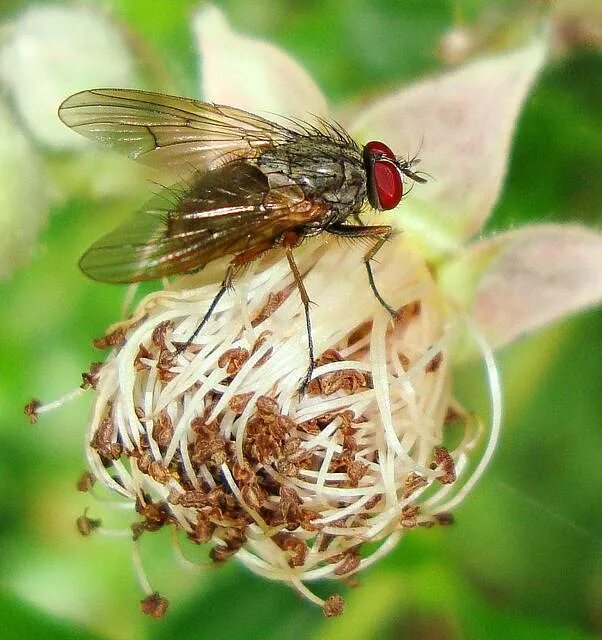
(245, 185)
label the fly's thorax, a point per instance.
(326, 171)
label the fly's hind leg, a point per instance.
(381, 233)
(224, 286)
(236, 265)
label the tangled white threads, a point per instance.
(217, 442)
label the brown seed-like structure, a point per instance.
(154, 605)
(215, 441)
(31, 410)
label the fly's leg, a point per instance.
(290, 240)
(381, 233)
(235, 266)
(367, 257)
(224, 286)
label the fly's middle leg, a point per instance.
(290, 240)
(381, 233)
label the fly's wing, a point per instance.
(170, 132)
(227, 210)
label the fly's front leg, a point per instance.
(381, 233)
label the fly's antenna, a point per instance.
(416, 176)
(405, 166)
(414, 159)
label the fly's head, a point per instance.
(385, 174)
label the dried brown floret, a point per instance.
(374, 500)
(207, 443)
(86, 482)
(287, 468)
(360, 332)
(310, 427)
(196, 498)
(453, 415)
(291, 446)
(444, 460)
(31, 410)
(349, 443)
(266, 406)
(253, 495)
(243, 473)
(239, 402)
(164, 366)
(138, 528)
(266, 432)
(161, 332)
(263, 447)
(159, 472)
(349, 562)
(102, 441)
(297, 548)
(115, 338)
(163, 430)
(284, 426)
(143, 459)
(434, 363)
(404, 360)
(345, 418)
(202, 530)
(273, 302)
(90, 378)
(413, 482)
(156, 514)
(154, 605)
(233, 359)
(221, 553)
(445, 518)
(356, 470)
(409, 513)
(333, 605)
(348, 380)
(408, 312)
(289, 504)
(143, 354)
(261, 338)
(233, 539)
(87, 525)
(307, 520)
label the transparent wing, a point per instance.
(170, 132)
(225, 211)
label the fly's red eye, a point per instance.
(377, 149)
(389, 187)
(385, 187)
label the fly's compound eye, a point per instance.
(385, 187)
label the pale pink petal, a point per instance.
(249, 73)
(534, 276)
(461, 124)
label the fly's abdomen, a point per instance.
(326, 171)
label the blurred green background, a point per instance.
(525, 557)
